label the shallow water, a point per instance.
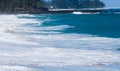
(60, 42)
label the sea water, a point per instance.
(60, 42)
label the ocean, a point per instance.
(60, 42)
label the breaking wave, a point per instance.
(26, 44)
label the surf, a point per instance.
(30, 42)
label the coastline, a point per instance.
(60, 11)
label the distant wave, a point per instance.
(84, 13)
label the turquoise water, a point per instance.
(60, 42)
(104, 25)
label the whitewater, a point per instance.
(43, 43)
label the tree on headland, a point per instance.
(32, 5)
(59, 3)
(77, 4)
(11, 5)
(91, 4)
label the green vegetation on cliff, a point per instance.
(77, 4)
(36, 6)
(22, 5)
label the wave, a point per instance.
(14, 68)
(26, 47)
(84, 13)
(57, 57)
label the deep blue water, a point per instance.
(104, 25)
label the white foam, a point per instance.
(84, 13)
(60, 27)
(13, 19)
(25, 15)
(21, 52)
(14, 68)
(11, 23)
(58, 57)
(77, 13)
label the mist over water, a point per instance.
(60, 42)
